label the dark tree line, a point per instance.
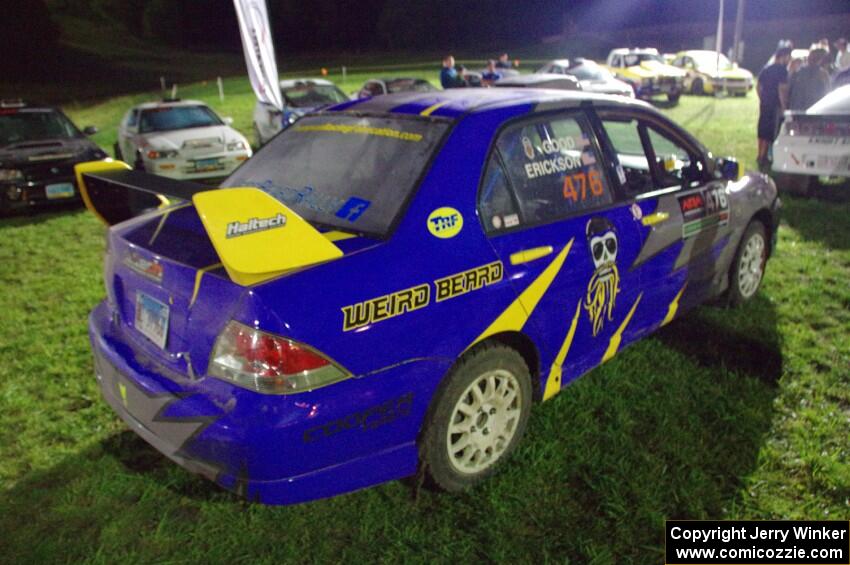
(323, 25)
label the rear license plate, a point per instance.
(152, 318)
(59, 190)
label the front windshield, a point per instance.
(312, 95)
(353, 173)
(17, 126)
(177, 117)
(709, 60)
(633, 59)
(587, 71)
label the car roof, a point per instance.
(559, 62)
(289, 83)
(456, 103)
(168, 104)
(626, 50)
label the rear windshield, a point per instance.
(18, 126)
(312, 95)
(353, 173)
(177, 117)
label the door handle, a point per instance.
(528, 255)
(655, 218)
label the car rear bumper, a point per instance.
(796, 155)
(270, 449)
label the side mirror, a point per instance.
(729, 168)
(228, 120)
(90, 130)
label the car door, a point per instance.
(565, 238)
(127, 132)
(683, 212)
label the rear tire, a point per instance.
(477, 417)
(673, 97)
(749, 265)
(698, 87)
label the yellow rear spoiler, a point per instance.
(256, 236)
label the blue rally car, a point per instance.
(391, 283)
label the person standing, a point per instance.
(449, 77)
(773, 99)
(491, 75)
(504, 61)
(841, 62)
(810, 83)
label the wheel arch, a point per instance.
(765, 218)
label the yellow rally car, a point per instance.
(709, 73)
(646, 72)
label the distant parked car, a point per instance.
(539, 80)
(646, 72)
(592, 76)
(709, 73)
(380, 86)
(814, 143)
(39, 147)
(300, 96)
(180, 139)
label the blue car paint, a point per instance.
(362, 431)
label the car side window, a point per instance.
(650, 157)
(496, 206)
(554, 168)
(133, 119)
(674, 161)
(625, 137)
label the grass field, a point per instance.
(723, 414)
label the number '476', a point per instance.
(576, 185)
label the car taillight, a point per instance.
(817, 128)
(268, 363)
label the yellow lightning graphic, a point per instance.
(553, 384)
(614, 344)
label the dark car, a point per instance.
(379, 86)
(39, 147)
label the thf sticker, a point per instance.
(445, 222)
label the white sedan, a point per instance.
(816, 143)
(183, 140)
(592, 76)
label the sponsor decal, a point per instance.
(385, 307)
(395, 304)
(366, 420)
(255, 225)
(361, 130)
(637, 212)
(150, 268)
(353, 209)
(702, 210)
(467, 281)
(528, 147)
(604, 284)
(445, 222)
(511, 220)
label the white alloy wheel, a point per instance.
(484, 421)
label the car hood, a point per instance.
(30, 153)
(650, 69)
(732, 74)
(606, 86)
(177, 139)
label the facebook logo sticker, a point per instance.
(353, 209)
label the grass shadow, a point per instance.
(38, 214)
(828, 223)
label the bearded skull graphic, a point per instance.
(604, 285)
